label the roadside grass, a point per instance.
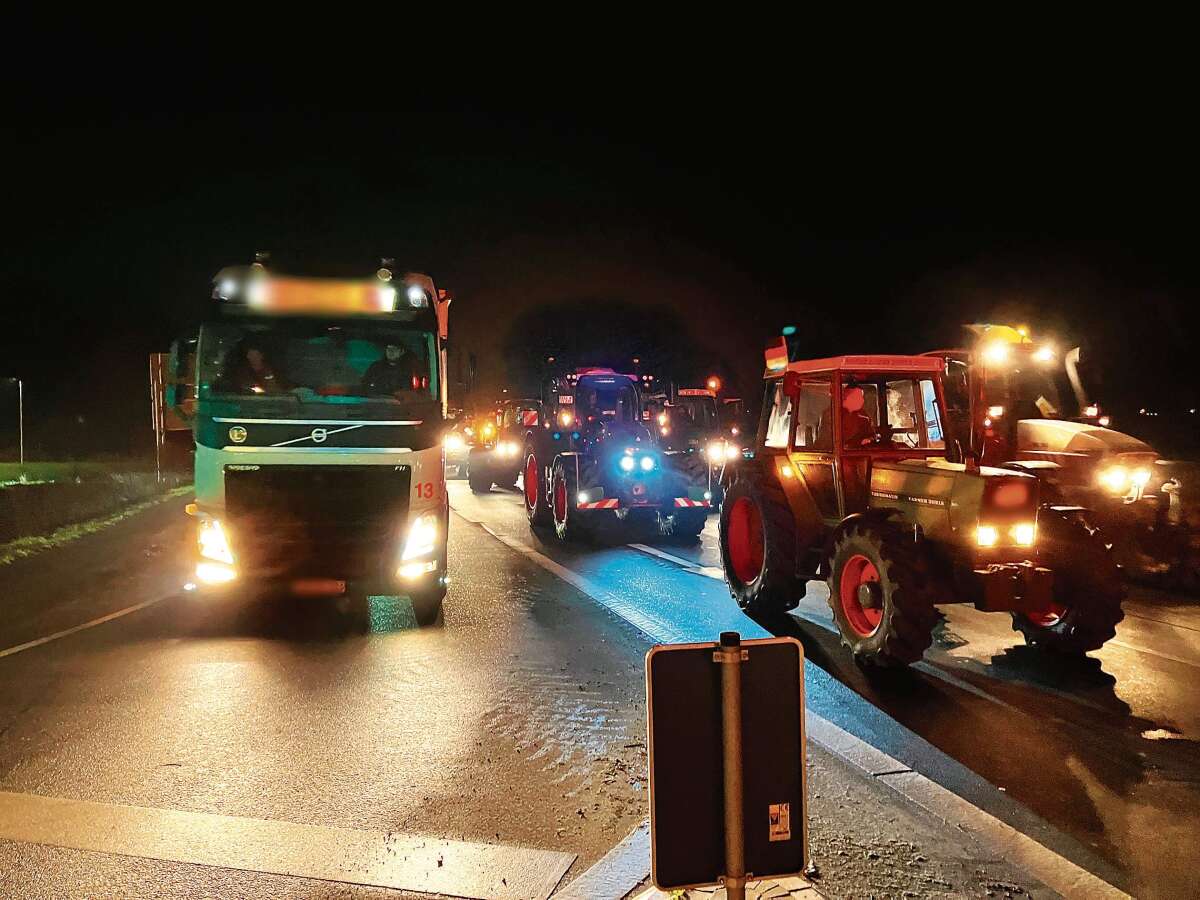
(34, 544)
(34, 472)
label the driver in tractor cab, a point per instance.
(857, 430)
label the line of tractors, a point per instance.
(903, 482)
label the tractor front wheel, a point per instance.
(758, 547)
(537, 510)
(563, 492)
(876, 593)
(1085, 604)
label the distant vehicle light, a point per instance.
(996, 353)
(1024, 534)
(713, 383)
(422, 537)
(566, 418)
(453, 442)
(735, 431)
(488, 430)
(1115, 478)
(628, 463)
(732, 452)
(665, 431)
(662, 418)
(715, 451)
(986, 536)
(1091, 411)
(787, 472)
(708, 495)
(1104, 421)
(215, 573)
(416, 295)
(213, 543)
(647, 463)
(227, 288)
(995, 412)
(1044, 354)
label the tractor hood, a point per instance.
(1056, 436)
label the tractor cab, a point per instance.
(831, 418)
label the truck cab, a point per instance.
(320, 407)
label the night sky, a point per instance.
(717, 211)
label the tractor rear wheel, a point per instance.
(878, 597)
(537, 510)
(1085, 605)
(758, 547)
(564, 489)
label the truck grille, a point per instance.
(335, 521)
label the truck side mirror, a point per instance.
(180, 387)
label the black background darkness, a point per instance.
(875, 218)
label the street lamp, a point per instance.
(20, 418)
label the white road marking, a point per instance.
(29, 645)
(694, 567)
(343, 855)
(1052, 869)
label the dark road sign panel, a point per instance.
(683, 687)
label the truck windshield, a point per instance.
(318, 361)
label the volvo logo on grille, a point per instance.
(237, 434)
(319, 435)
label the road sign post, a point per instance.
(726, 734)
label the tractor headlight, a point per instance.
(213, 543)
(715, 451)
(647, 463)
(732, 452)
(986, 535)
(422, 537)
(1024, 534)
(1140, 477)
(1115, 479)
(996, 353)
(453, 442)
(627, 463)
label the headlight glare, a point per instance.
(647, 463)
(422, 537)
(1115, 478)
(213, 543)
(986, 535)
(627, 463)
(1024, 534)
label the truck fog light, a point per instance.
(214, 573)
(213, 543)
(1024, 534)
(422, 536)
(412, 570)
(986, 536)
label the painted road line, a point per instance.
(616, 873)
(344, 855)
(66, 632)
(1050, 868)
(707, 571)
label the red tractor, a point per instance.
(849, 482)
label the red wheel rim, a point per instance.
(531, 481)
(859, 570)
(1049, 616)
(745, 540)
(560, 501)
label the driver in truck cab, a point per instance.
(395, 372)
(252, 373)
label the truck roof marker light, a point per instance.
(416, 296)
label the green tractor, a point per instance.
(853, 480)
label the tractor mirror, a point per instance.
(791, 383)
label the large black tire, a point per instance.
(479, 477)
(537, 510)
(1087, 591)
(564, 488)
(878, 595)
(758, 546)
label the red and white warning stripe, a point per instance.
(685, 502)
(601, 504)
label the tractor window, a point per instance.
(902, 415)
(814, 422)
(933, 421)
(779, 423)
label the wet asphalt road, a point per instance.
(1105, 750)
(518, 720)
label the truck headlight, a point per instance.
(213, 543)
(986, 535)
(1024, 534)
(1115, 478)
(422, 537)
